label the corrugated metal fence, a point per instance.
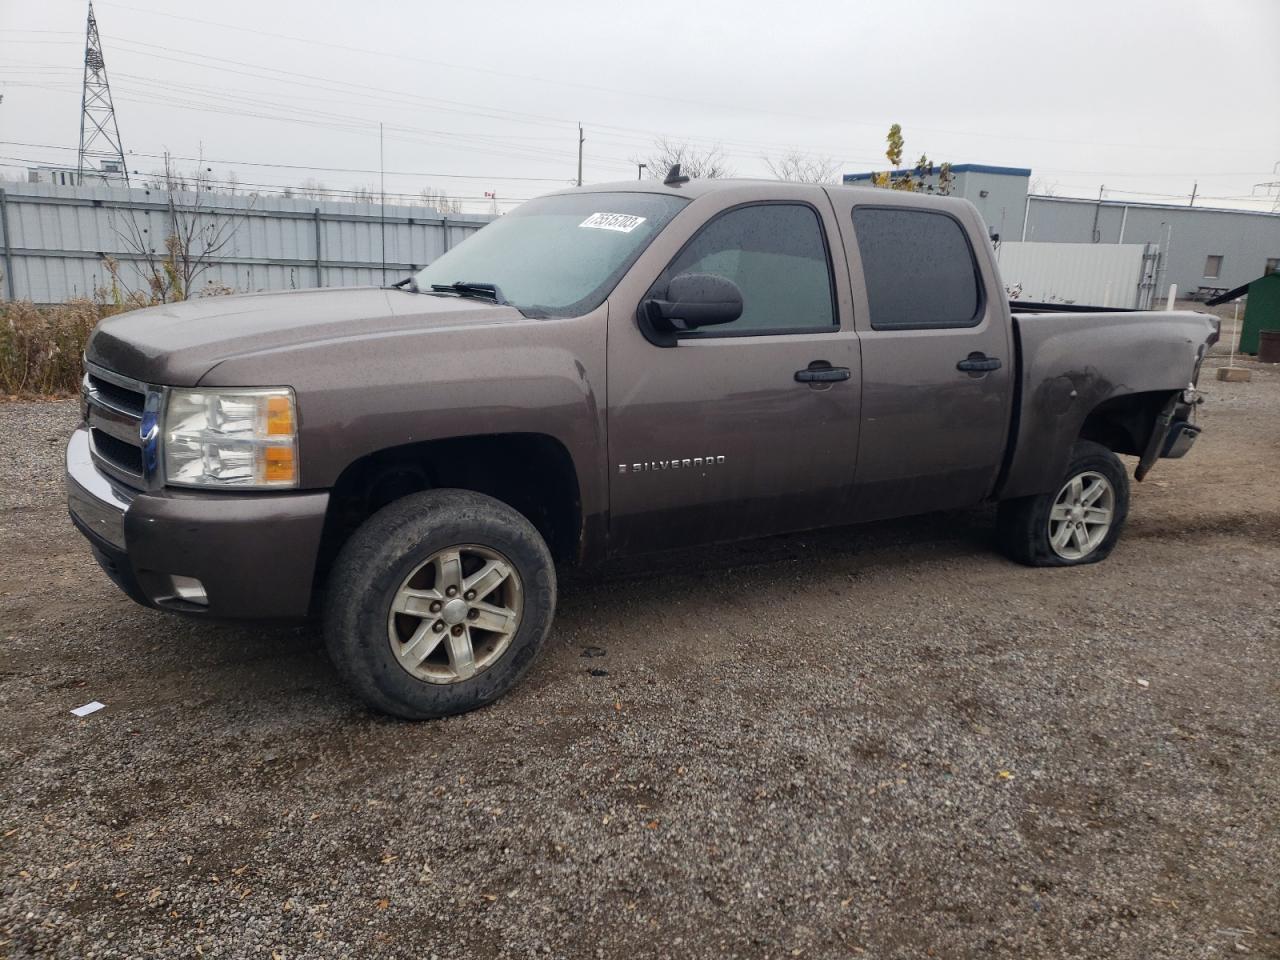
(1095, 274)
(53, 239)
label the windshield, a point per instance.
(557, 256)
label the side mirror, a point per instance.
(694, 300)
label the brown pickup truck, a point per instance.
(604, 371)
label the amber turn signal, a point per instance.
(279, 417)
(279, 465)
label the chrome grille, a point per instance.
(117, 414)
(118, 453)
(122, 398)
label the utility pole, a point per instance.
(580, 142)
(99, 132)
(1095, 236)
(1194, 187)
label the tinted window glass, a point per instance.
(919, 269)
(775, 254)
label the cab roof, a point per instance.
(694, 188)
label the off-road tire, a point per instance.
(372, 566)
(1022, 525)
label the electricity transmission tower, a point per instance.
(1271, 189)
(99, 132)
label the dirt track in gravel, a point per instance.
(884, 741)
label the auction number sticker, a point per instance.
(621, 222)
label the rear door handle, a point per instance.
(822, 372)
(978, 362)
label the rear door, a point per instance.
(716, 438)
(937, 360)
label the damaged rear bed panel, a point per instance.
(1070, 363)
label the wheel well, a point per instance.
(1124, 424)
(530, 472)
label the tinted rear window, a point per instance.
(919, 269)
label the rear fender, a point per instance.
(1113, 378)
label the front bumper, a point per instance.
(254, 555)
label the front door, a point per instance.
(937, 358)
(715, 438)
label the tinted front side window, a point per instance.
(919, 269)
(776, 255)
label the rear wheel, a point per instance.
(1079, 523)
(438, 604)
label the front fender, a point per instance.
(360, 395)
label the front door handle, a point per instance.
(978, 362)
(822, 372)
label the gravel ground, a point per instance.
(885, 741)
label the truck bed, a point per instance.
(1032, 306)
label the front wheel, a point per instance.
(1079, 523)
(438, 604)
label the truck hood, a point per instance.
(178, 343)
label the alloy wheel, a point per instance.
(455, 615)
(1081, 516)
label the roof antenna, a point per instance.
(674, 177)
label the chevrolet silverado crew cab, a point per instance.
(604, 371)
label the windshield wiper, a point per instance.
(409, 283)
(485, 291)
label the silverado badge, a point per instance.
(688, 463)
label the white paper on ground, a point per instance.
(88, 708)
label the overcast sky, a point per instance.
(1145, 97)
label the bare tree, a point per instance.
(799, 168)
(195, 236)
(1041, 187)
(446, 204)
(699, 164)
(313, 189)
(162, 180)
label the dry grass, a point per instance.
(41, 347)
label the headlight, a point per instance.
(231, 438)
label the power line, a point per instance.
(304, 166)
(299, 191)
(472, 110)
(438, 175)
(383, 54)
(325, 118)
(682, 99)
(630, 137)
(622, 136)
(310, 80)
(642, 138)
